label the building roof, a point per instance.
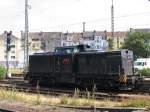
(117, 34)
(141, 29)
(94, 33)
(76, 36)
(44, 35)
(3, 36)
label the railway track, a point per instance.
(6, 110)
(19, 84)
(104, 109)
(61, 92)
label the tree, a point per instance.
(2, 72)
(139, 43)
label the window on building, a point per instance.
(35, 39)
(12, 57)
(12, 46)
(35, 45)
(98, 47)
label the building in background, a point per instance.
(97, 40)
(118, 39)
(43, 41)
(47, 41)
(70, 39)
(13, 57)
(140, 30)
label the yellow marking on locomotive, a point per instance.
(123, 78)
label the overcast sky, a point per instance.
(63, 15)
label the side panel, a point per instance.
(99, 65)
(91, 64)
(114, 64)
(63, 63)
(63, 68)
(41, 65)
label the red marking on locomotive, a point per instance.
(66, 61)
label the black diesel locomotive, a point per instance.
(80, 66)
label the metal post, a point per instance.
(83, 29)
(112, 20)
(8, 47)
(26, 35)
(7, 62)
(24, 49)
(83, 26)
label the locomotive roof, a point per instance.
(103, 52)
(72, 49)
(75, 46)
(85, 52)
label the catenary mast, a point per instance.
(26, 36)
(112, 20)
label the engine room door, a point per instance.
(63, 68)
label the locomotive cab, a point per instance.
(72, 49)
(127, 78)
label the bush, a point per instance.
(2, 72)
(144, 72)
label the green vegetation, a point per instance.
(2, 73)
(140, 103)
(144, 72)
(37, 99)
(138, 42)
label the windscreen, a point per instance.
(139, 63)
(66, 50)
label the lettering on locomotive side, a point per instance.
(66, 61)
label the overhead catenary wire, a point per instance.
(63, 26)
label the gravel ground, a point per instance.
(22, 107)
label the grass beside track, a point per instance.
(37, 99)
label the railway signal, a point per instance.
(8, 48)
(8, 44)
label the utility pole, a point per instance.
(83, 29)
(23, 42)
(26, 36)
(112, 20)
(83, 26)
